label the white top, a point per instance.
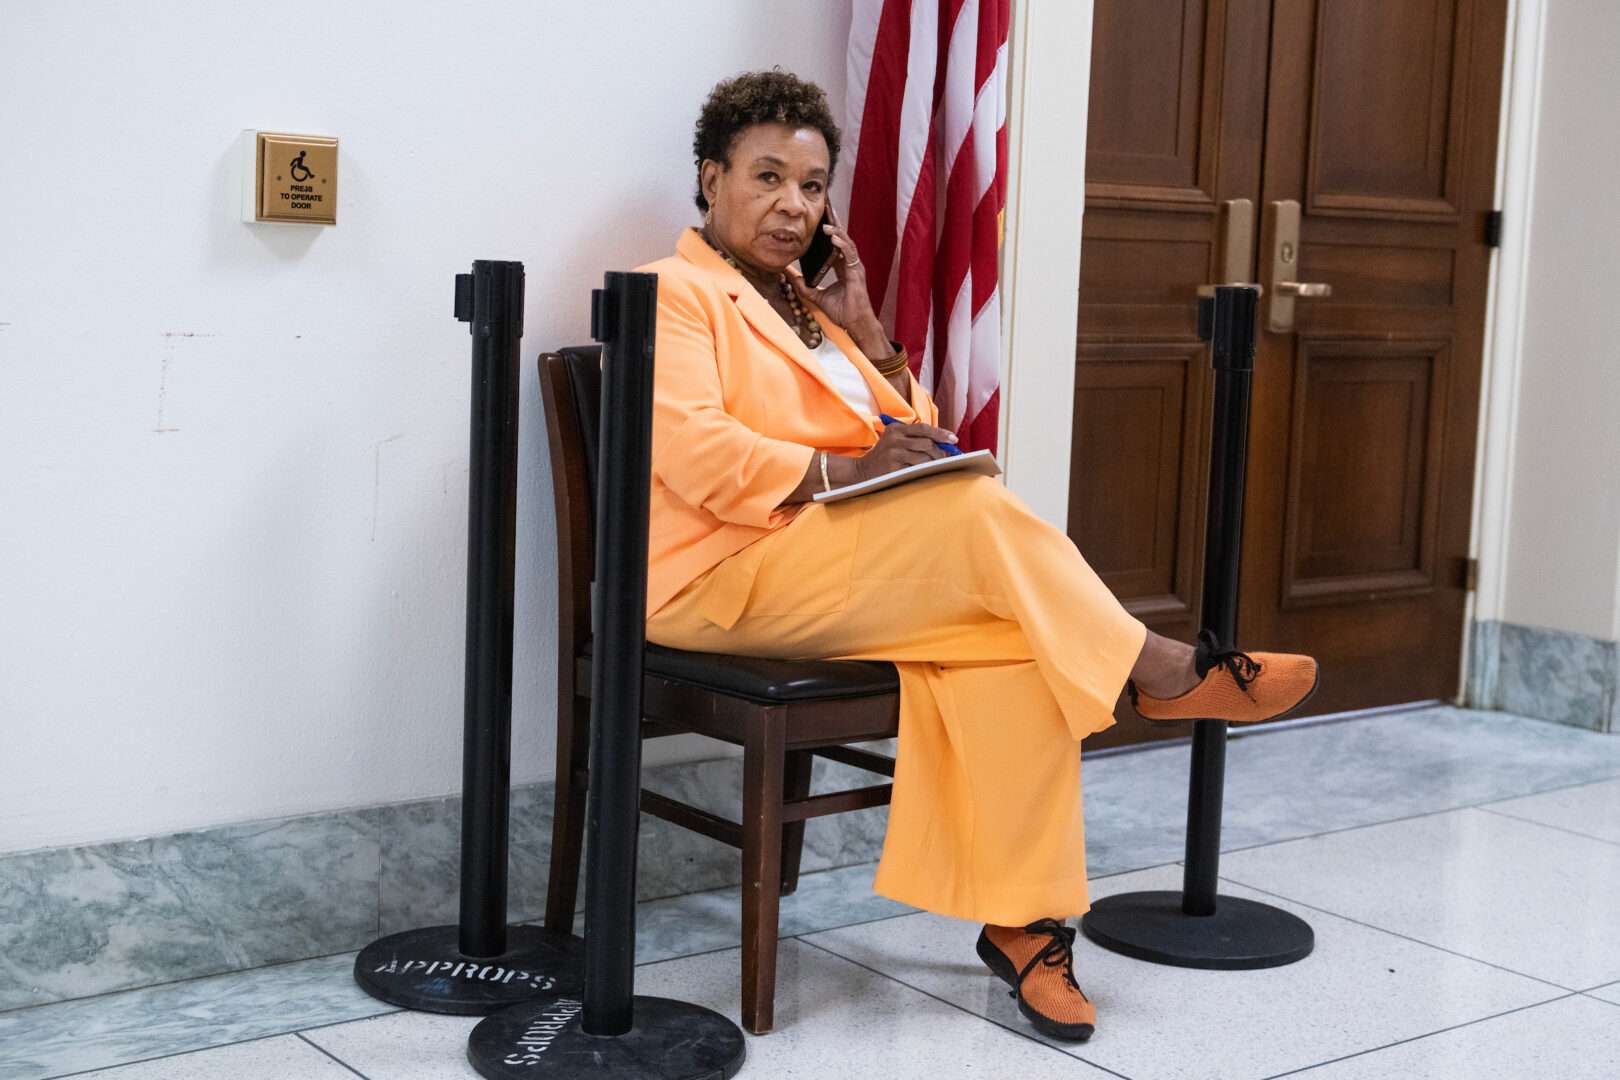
(846, 378)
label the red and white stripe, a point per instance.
(927, 134)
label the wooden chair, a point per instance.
(782, 713)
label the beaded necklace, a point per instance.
(805, 324)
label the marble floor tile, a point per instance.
(93, 1033)
(1532, 899)
(1434, 882)
(703, 922)
(1591, 809)
(1135, 807)
(1359, 989)
(1281, 785)
(404, 1046)
(284, 1057)
(833, 1018)
(676, 860)
(832, 898)
(1610, 993)
(90, 1033)
(1574, 1038)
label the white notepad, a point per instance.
(973, 461)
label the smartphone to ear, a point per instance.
(813, 263)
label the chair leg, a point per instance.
(795, 785)
(568, 820)
(764, 751)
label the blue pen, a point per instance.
(947, 447)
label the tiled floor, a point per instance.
(1460, 871)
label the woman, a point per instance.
(1009, 647)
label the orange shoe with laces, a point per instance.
(1038, 963)
(1238, 687)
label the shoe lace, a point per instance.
(1240, 665)
(1058, 952)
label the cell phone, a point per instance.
(813, 263)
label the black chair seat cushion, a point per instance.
(771, 682)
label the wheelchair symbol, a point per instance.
(300, 171)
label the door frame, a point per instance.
(1504, 314)
(1050, 84)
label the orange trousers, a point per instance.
(1010, 649)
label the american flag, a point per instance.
(927, 131)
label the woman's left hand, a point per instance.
(845, 301)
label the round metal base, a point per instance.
(1242, 934)
(668, 1040)
(425, 970)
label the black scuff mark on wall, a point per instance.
(376, 479)
(169, 339)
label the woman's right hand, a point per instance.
(901, 445)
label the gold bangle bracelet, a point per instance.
(826, 484)
(894, 364)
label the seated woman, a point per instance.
(1009, 647)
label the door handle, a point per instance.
(1283, 228)
(1237, 244)
(1304, 290)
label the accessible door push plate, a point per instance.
(289, 178)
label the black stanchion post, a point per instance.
(1196, 927)
(622, 317)
(481, 965)
(1231, 338)
(486, 763)
(611, 1032)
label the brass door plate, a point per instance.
(290, 178)
(1284, 214)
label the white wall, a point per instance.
(1561, 565)
(233, 458)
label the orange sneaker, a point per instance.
(1038, 963)
(1237, 686)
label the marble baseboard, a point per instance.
(1547, 674)
(85, 920)
(102, 917)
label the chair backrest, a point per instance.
(571, 387)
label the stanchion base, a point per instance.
(1242, 934)
(426, 970)
(669, 1040)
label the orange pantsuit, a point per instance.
(1009, 647)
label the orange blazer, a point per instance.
(740, 408)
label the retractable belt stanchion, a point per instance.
(1195, 927)
(608, 1032)
(482, 964)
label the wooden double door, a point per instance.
(1349, 144)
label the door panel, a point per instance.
(1381, 123)
(1154, 68)
(1170, 138)
(1387, 114)
(1379, 118)
(1363, 513)
(1140, 424)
